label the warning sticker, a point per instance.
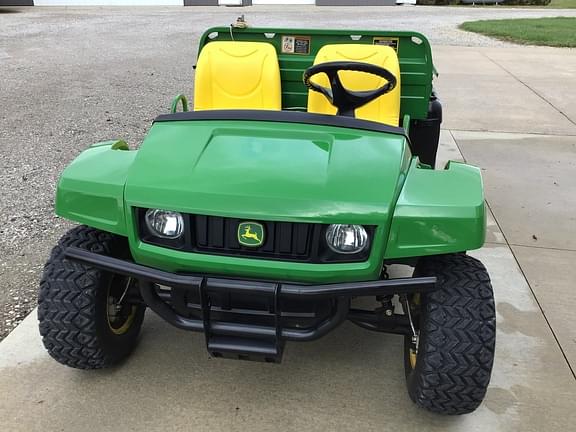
(387, 41)
(296, 45)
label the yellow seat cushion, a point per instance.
(237, 75)
(386, 108)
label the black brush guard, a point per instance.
(245, 340)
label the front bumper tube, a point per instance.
(240, 339)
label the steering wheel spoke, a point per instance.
(336, 87)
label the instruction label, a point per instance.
(296, 45)
(386, 41)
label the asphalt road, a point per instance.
(70, 77)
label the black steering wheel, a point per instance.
(346, 101)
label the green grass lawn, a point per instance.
(554, 4)
(558, 31)
(562, 4)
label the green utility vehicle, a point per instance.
(305, 170)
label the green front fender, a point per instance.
(91, 189)
(438, 212)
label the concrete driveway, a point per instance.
(508, 110)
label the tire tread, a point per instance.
(67, 302)
(458, 337)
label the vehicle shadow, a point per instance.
(9, 10)
(352, 379)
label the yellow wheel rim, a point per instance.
(126, 325)
(416, 300)
(114, 324)
(412, 358)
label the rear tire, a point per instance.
(448, 369)
(80, 325)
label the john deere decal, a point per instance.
(250, 234)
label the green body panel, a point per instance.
(91, 189)
(414, 54)
(438, 212)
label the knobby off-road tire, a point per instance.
(73, 306)
(457, 333)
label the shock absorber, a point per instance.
(387, 307)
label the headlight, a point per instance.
(164, 223)
(347, 239)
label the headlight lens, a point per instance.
(346, 239)
(164, 223)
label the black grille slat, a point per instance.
(216, 232)
(269, 238)
(201, 230)
(232, 234)
(285, 238)
(300, 238)
(315, 242)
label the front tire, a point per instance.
(86, 320)
(448, 365)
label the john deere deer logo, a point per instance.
(250, 234)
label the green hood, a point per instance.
(268, 170)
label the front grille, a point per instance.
(285, 241)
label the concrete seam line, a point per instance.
(543, 247)
(523, 274)
(457, 146)
(529, 88)
(534, 295)
(513, 133)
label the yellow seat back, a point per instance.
(386, 108)
(237, 75)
